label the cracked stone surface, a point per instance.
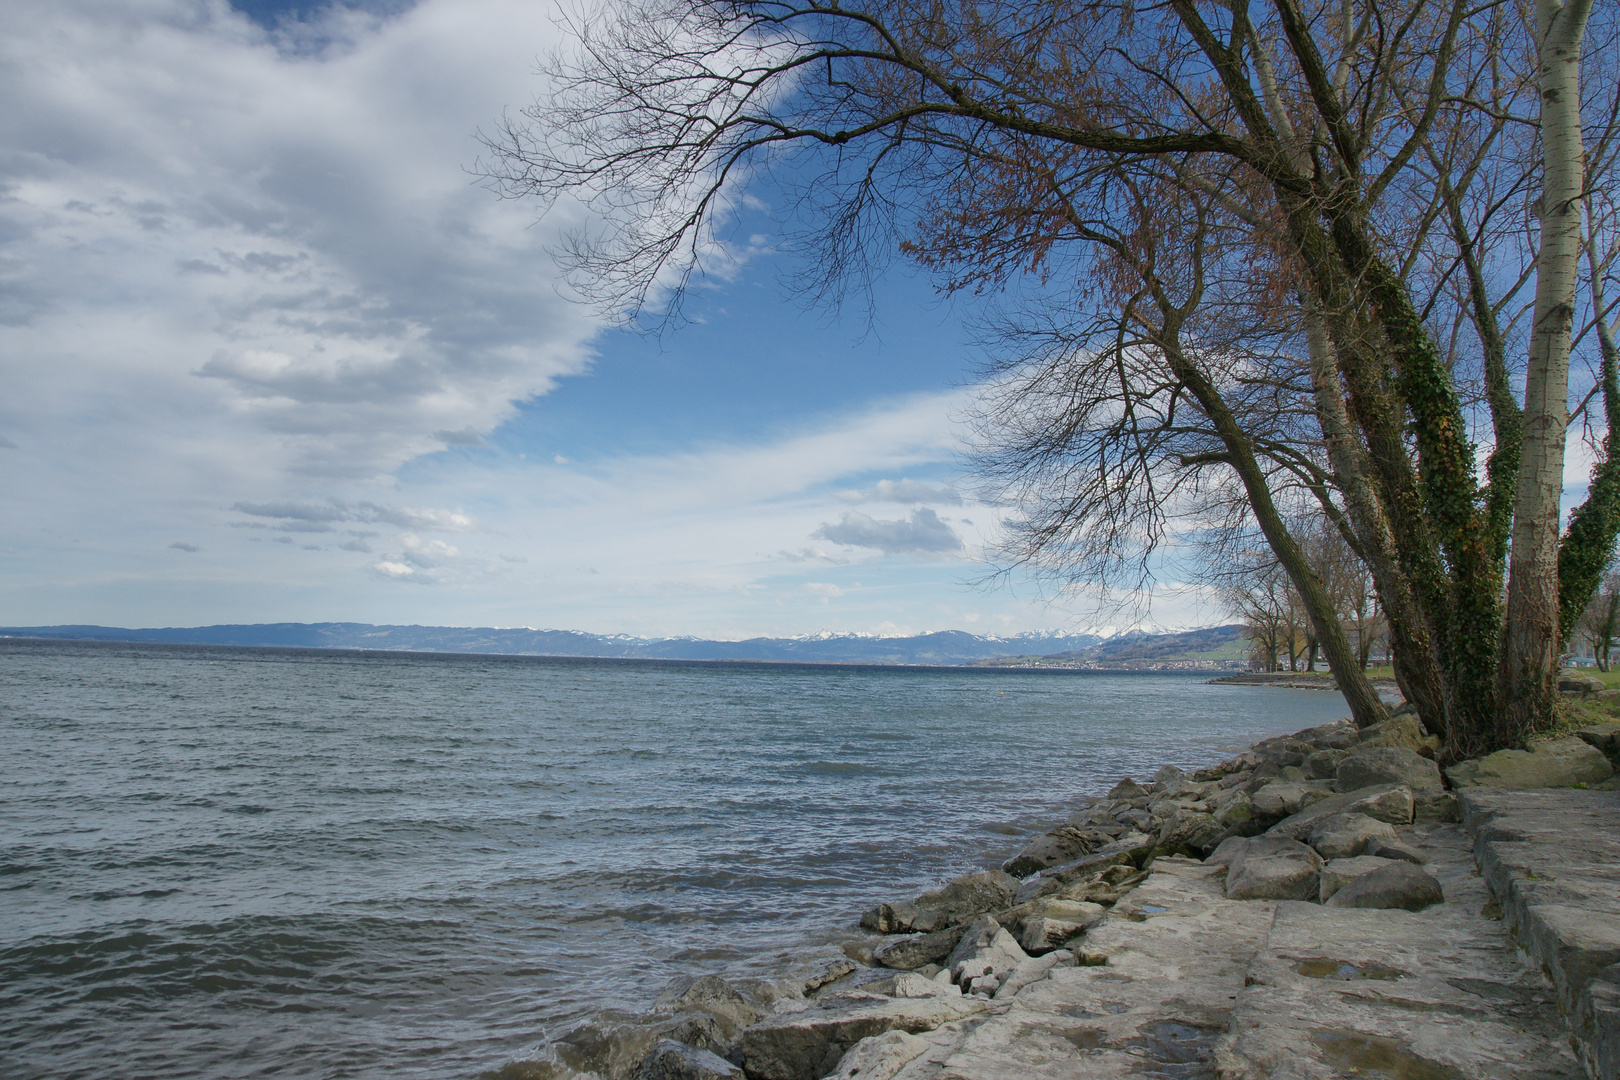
(1176, 951)
(1179, 982)
(1439, 994)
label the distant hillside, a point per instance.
(948, 647)
(1207, 649)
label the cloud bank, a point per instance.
(922, 533)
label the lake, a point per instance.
(237, 862)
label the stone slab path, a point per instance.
(1440, 994)
(1180, 982)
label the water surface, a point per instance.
(231, 862)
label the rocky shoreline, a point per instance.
(1157, 893)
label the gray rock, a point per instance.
(711, 1012)
(1139, 819)
(986, 954)
(960, 900)
(1403, 730)
(1557, 763)
(1369, 765)
(1579, 684)
(1323, 764)
(1054, 922)
(1396, 851)
(1391, 804)
(880, 1057)
(1058, 846)
(1397, 885)
(1234, 810)
(1604, 735)
(1595, 1025)
(1338, 735)
(911, 953)
(1340, 872)
(809, 1044)
(1127, 789)
(910, 984)
(1273, 868)
(1168, 773)
(1226, 851)
(1344, 836)
(1132, 849)
(1189, 832)
(671, 1060)
(1281, 798)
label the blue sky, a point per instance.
(270, 353)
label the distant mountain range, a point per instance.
(949, 647)
(946, 647)
(1205, 648)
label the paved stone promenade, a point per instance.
(1180, 982)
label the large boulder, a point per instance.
(909, 984)
(1324, 764)
(880, 1057)
(1395, 849)
(1127, 790)
(1344, 836)
(1367, 766)
(958, 901)
(1397, 885)
(1338, 735)
(711, 1014)
(1053, 922)
(1280, 798)
(1557, 763)
(920, 950)
(808, 1044)
(1605, 735)
(1340, 872)
(1189, 832)
(1391, 804)
(671, 1060)
(1580, 684)
(984, 957)
(1273, 868)
(1132, 849)
(1061, 845)
(1226, 851)
(1403, 730)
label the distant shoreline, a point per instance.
(1294, 680)
(449, 656)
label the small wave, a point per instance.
(842, 768)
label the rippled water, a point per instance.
(257, 862)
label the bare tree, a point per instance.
(1600, 623)
(1317, 171)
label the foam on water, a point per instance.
(257, 862)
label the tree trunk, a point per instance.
(1366, 707)
(1421, 679)
(1527, 679)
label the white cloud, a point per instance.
(822, 588)
(902, 491)
(253, 263)
(922, 533)
(314, 517)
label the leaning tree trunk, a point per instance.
(1420, 679)
(1527, 678)
(1366, 707)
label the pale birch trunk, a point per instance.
(1528, 674)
